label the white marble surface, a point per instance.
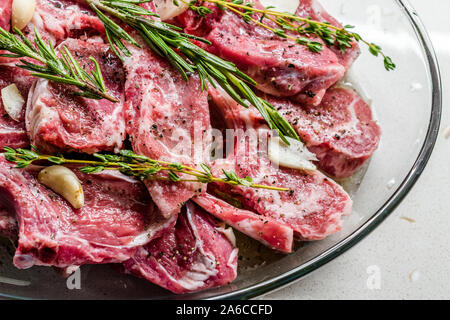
(412, 258)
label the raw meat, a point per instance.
(167, 119)
(266, 230)
(117, 218)
(12, 133)
(5, 14)
(194, 256)
(57, 20)
(314, 205)
(280, 66)
(56, 120)
(341, 131)
(313, 9)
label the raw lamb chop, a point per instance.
(8, 224)
(194, 256)
(280, 66)
(167, 119)
(341, 131)
(117, 218)
(314, 205)
(56, 120)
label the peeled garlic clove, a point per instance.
(65, 183)
(12, 101)
(295, 155)
(22, 12)
(167, 10)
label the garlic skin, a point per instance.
(167, 10)
(22, 13)
(64, 182)
(13, 101)
(294, 156)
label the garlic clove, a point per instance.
(294, 156)
(167, 10)
(22, 12)
(13, 101)
(64, 182)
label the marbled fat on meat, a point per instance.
(117, 218)
(341, 131)
(315, 204)
(56, 120)
(5, 14)
(193, 256)
(167, 119)
(280, 66)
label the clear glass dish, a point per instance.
(407, 103)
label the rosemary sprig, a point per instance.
(289, 23)
(65, 70)
(169, 42)
(131, 164)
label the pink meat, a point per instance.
(315, 204)
(56, 120)
(313, 9)
(5, 13)
(194, 256)
(57, 20)
(12, 133)
(117, 218)
(167, 119)
(266, 230)
(280, 66)
(341, 131)
(313, 207)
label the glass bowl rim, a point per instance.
(392, 203)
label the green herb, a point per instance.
(170, 43)
(65, 70)
(289, 23)
(200, 10)
(131, 164)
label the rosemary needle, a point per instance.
(131, 164)
(65, 70)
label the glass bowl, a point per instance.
(407, 104)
